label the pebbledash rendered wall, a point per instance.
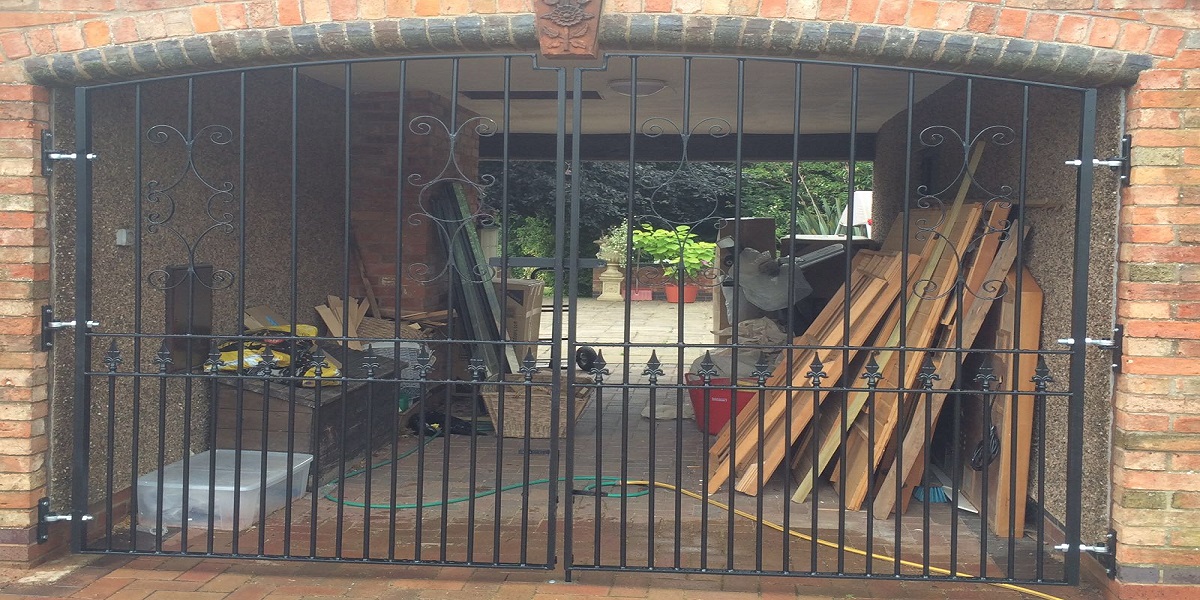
(1147, 50)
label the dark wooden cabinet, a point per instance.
(262, 415)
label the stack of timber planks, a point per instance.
(918, 321)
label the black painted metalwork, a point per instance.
(458, 477)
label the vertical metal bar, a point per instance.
(293, 265)
(393, 492)
(472, 475)
(572, 295)
(556, 359)
(347, 101)
(187, 366)
(850, 187)
(163, 361)
(627, 308)
(790, 349)
(241, 302)
(501, 390)
(1013, 498)
(213, 367)
(814, 379)
(136, 422)
(262, 461)
(901, 417)
(956, 426)
(1079, 315)
(679, 363)
(369, 456)
(319, 367)
(872, 382)
(734, 338)
(110, 440)
(926, 536)
(625, 393)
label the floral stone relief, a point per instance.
(567, 28)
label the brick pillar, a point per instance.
(1156, 453)
(24, 287)
(374, 170)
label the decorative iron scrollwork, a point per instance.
(653, 127)
(453, 224)
(160, 196)
(938, 232)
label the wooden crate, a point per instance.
(335, 440)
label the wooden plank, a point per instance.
(1012, 417)
(369, 289)
(947, 364)
(887, 406)
(919, 328)
(865, 309)
(824, 321)
(988, 243)
(820, 332)
(863, 322)
(477, 301)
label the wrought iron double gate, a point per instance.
(223, 206)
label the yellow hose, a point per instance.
(851, 549)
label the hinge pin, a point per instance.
(1114, 344)
(1106, 553)
(45, 518)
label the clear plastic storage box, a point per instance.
(246, 495)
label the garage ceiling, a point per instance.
(769, 95)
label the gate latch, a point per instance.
(1114, 344)
(1119, 164)
(1105, 554)
(45, 518)
(49, 154)
(49, 326)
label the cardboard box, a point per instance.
(523, 314)
(261, 317)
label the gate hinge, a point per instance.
(1119, 164)
(45, 518)
(49, 326)
(49, 154)
(1115, 345)
(1105, 554)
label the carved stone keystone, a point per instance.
(568, 28)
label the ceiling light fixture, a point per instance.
(643, 87)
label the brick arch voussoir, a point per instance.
(285, 45)
(1050, 62)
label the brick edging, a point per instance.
(1055, 62)
(895, 45)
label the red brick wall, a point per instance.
(1157, 417)
(423, 281)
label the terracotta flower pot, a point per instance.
(690, 292)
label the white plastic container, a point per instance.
(246, 495)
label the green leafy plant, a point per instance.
(821, 191)
(675, 250)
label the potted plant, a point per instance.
(680, 253)
(612, 250)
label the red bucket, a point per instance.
(718, 401)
